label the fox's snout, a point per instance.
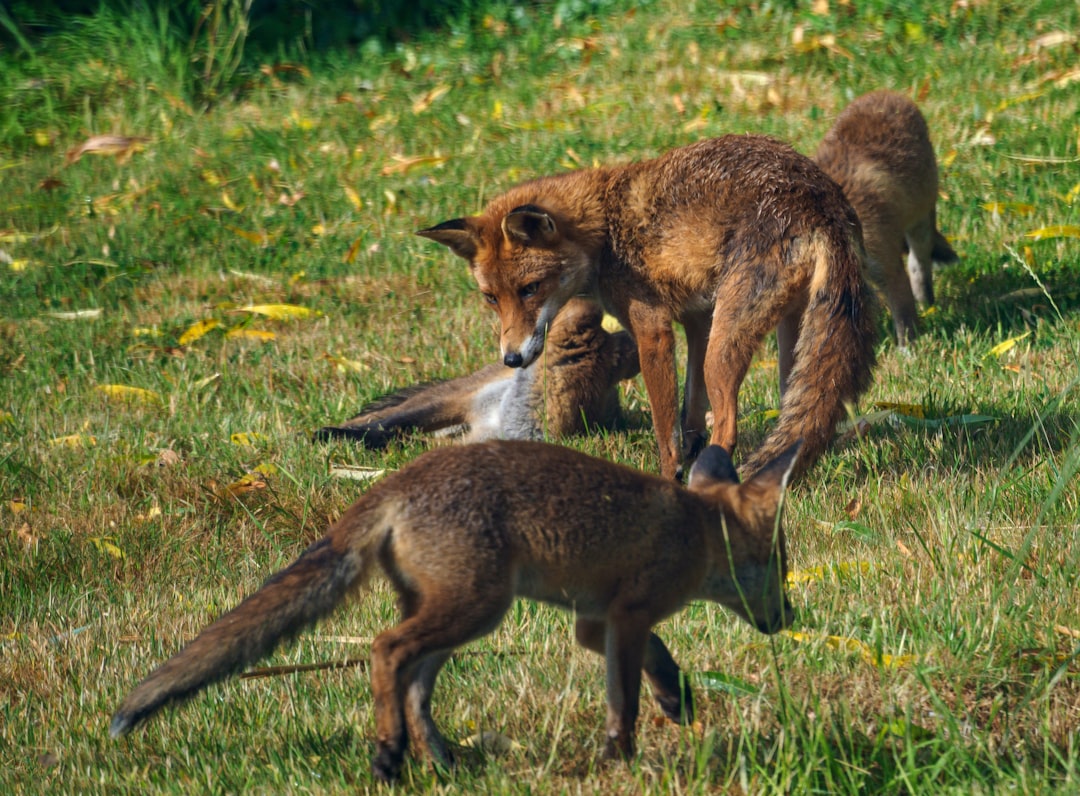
(783, 617)
(513, 359)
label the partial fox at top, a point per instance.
(732, 237)
(879, 151)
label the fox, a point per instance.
(879, 151)
(732, 237)
(571, 389)
(463, 530)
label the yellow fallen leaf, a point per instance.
(611, 324)
(17, 505)
(151, 514)
(404, 164)
(246, 438)
(353, 197)
(258, 238)
(1005, 345)
(342, 364)
(20, 264)
(6, 417)
(105, 545)
(1001, 208)
(840, 569)
(121, 392)
(198, 329)
(853, 646)
(908, 410)
(249, 483)
(227, 200)
(74, 441)
(122, 146)
(251, 334)
(1056, 231)
(354, 249)
(278, 312)
(1074, 192)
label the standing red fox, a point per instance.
(879, 151)
(573, 387)
(463, 530)
(731, 237)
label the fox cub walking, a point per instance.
(879, 151)
(731, 237)
(572, 388)
(463, 530)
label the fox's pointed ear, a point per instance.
(530, 225)
(768, 484)
(458, 234)
(713, 465)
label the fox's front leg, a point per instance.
(656, 350)
(671, 689)
(624, 648)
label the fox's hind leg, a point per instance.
(920, 265)
(422, 729)
(406, 659)
(695, 398)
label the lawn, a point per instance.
(207, 252)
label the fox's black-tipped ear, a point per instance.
(772, 479)
(458, 234)
(714, 464)
(530, 225)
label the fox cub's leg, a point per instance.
(405, 660)
(671, 689)
(422, 729)
(920, 266)
(695, 399)
(625, 641)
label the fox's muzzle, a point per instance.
(785, 617)
(514, 359)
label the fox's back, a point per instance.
(880, 145)
(556, 524)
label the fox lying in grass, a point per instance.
(731, 237)
(879, 151)
(573, 387)
(464, 530)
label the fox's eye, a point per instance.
(490, 299)
(529, 290)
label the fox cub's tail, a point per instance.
(290, 601)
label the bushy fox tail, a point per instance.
(290, 601)
(834, 358)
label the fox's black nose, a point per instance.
(514, 359)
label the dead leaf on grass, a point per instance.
(120, 146)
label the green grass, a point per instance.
(952, 544)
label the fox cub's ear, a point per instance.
(459, 234)
(714, 464)
(530, 225)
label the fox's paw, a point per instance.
(386, 765)
(678, 707)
